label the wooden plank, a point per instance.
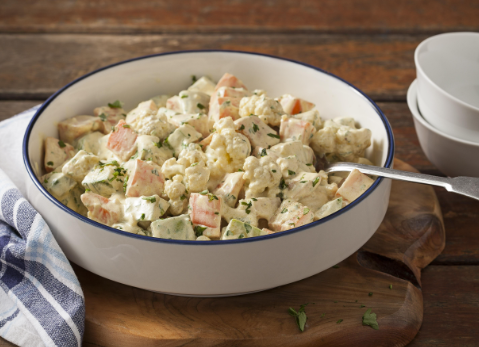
(11, 108)
(331, 16)
(451, 313)
(35, 66)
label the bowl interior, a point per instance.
(451, 61)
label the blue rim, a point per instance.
(32, 175)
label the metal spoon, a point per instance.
(468, 186)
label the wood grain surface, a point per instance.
(378, 277)
(381, 66)
(345, 16)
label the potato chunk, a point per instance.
(292, 129)
(205, 212)
(258, 132)
(176, 228)
(239, 230)
(290, 215)
(230, 187)
(101, 209)
(145, 208)
(145, 180)
(72, 129)
(122, 141)
(56, 153)
(354, 186)
(79, 166)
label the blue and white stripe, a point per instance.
(38, 288)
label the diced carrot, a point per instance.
(145, 180)
(122, 141)
(293, 129)
(229, 80)
(293, 105)
(205, 210)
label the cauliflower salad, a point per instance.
(215, 162)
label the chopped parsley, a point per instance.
(284, 210)
(241, 127)
(184, 96)
(61, 144)
(50, 163)
(194, 164)
(87, 190)
(306, 210)
(199, 230)
(151, 199)
(142, 216)
(291, 173)
(116, 104)
(102, 117)
(248, 206)
(217, 213)
(254, 199)
(45, 181)
(200, 106)
(263, 152)
(183, 197)
(316, 180)
(299, 316)
(193, 78)
(309, 164)
(274, 136)
(337, 267)
(125, 183)
(370, 318)
(126, 126)
(282, 184)
(212, 197)
(204, 192)
(274, 171)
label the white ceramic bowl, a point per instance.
(448, 83)
(454, 157)
(217, 267)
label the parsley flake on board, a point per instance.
(116, 104)
(370, 318)
(300, 316)
(337, 267)
(363, 306)
(61, 144)
(370, 294)
(151, 199)
(274, 136)
(339, 321)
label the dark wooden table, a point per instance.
(46, 44)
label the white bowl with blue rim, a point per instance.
(213, 268)
(447, 67)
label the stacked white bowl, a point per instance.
(444, 101)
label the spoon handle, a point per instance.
(468, 186)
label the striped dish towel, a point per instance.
(41, 301)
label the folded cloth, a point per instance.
(41, 301)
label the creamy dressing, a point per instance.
(214, 162)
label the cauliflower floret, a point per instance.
(227, 150)
(144, 109)
(196, 173)
(196, 177)
(340, 140)
(153, 124)
(191, 154)
(171, 168)
(176, 192)
(269, 110)
(263, 177)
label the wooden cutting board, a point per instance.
(388, 266)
